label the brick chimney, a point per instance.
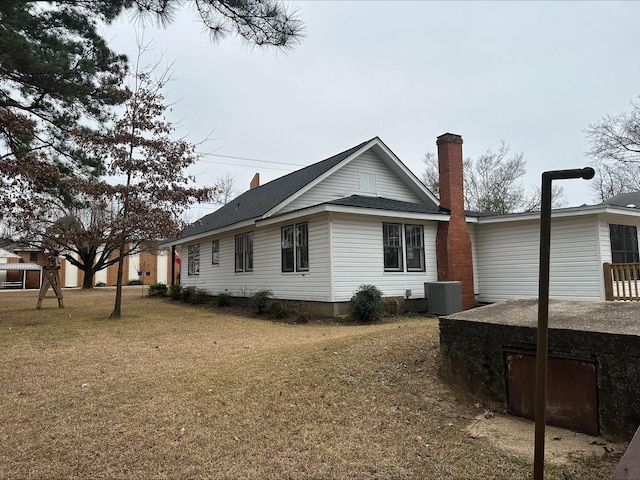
(255, 181)
(453, 243)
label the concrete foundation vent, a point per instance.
(443, 298)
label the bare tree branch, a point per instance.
(492, 183)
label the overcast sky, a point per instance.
(535, 74)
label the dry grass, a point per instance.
(181, 392)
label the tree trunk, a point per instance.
(117, 308)
(87, 281)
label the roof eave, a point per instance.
(562, 213)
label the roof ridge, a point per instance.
(257, 201)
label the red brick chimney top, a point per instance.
(255, 181)
(449, 138)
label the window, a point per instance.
(215, 252)
(33, 256)
(193, 260)
(294, 244)
(395, 250)
(244, 252)
(414, 236)
(392, 241)
(624, 244)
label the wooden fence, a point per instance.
(621, 281)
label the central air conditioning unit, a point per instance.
(444, 298)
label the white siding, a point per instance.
(346, 182)
(101, 276)
(162, 267)
(71, 273)
(358, 259)
(312, 285)
(507, 259)
(604, 238)
(134, 264)
(603, 228)
(474, 257)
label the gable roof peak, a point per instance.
(262, 199)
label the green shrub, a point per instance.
(259, 301)
(366, 304)
(223, 299)
(200, 295)
(279, 310)
(175, 292)
(194, 295)
(303, 317)
(134, 281)
(157, 290)
(187, 294)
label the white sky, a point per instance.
(535, 74)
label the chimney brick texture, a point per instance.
(453, 243)
(255, 181)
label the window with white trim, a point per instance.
(244, 252)
(392, 242)
(398, 252)
(215, 252)
(193, 260)
(624, 243)
(294, 247)
(414, 241)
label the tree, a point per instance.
(258, 22)
(615, 148)
(86, 233)
(152, 189)
(226, 190)
(58, 74)
(55, 72)
(57, 77)
(491, 183)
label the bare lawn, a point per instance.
(178, 392)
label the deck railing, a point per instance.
(621, 281)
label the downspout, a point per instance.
(331, 292)
(173, 265)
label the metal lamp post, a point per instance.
(543, 309)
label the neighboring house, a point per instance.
(155, 268)
(19, 267)
(317, 234)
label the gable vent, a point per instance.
(368, 184)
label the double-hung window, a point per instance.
(414, 236)
(244, 252)
(294, 246)
(397, 252)
(624, 243)
(215, 252)
(193, 260)
(392, 241)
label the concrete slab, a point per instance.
(589, 316)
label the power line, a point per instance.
(253, 159)
(243, 165)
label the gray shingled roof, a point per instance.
(624, 199)
(385, 204)
(258, 201)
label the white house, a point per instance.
(362, 216)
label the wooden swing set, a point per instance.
(51, 278)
